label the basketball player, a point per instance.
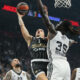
(16, 73)
(57, 47)
(37, 46)
(75, 74)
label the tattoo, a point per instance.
(7, 76)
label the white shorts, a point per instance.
(59, 69)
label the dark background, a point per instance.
(10, 31)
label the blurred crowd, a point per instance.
(13, 47)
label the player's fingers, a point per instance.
(19, 14)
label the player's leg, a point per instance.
(49, 71)
(56, 70)
(41, 76)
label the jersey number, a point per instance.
(60, 46)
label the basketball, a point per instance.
(23, 8)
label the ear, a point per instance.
(11, 64)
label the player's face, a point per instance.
(40, 33)
(15, 62)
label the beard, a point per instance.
(18, 65)
(37, 35)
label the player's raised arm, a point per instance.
(72, 42)
(24, 30)
(45, 17)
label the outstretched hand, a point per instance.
(19, 14)
(73, 42)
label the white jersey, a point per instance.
(58, 46)
(77, 74)
(15, 76)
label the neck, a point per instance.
(18, 70)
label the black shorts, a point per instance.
(39, 67)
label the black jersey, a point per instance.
(38, 54)
(38, 48)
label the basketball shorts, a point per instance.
(59, 69)
(38, 67)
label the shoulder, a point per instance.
(63, 36)
(58, 34)
(24, 72)
(8, 75)
(9, 72)
(51, 36)
(28, 76)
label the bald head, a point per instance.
(15, 62)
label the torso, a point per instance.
(58, 46)
(38, 48)
(16, 76)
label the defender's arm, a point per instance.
(45, 17)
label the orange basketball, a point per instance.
(23, 8)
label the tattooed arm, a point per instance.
(8, 76)
(45, 17)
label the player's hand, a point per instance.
(19, 14)
(45, 9)
(74, 42)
